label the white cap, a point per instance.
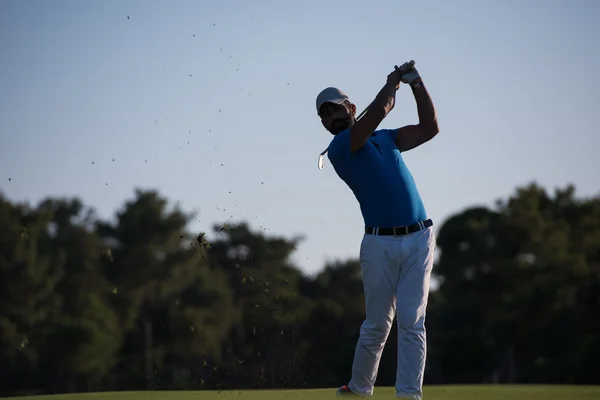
(331, 95)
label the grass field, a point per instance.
(471, 392)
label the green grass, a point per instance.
(459, 392)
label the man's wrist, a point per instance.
(417, 83)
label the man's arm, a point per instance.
(380, 107)
(411, 136)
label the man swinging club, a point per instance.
(396, 252)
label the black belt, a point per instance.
(398, 230)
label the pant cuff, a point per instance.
(408, 396)
(359, 392)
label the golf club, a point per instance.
(322, 155)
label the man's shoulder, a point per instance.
(340, 143)
(339, 147)
(385, 131)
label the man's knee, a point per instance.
(411, 319)
(375, 333)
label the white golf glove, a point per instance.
(411, 76)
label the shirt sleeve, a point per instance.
(392, 133)
(339, 149)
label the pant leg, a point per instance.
(379, 275)
(411, 303)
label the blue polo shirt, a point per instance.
(379, 178)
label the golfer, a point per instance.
(396, 252)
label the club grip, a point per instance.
(406, 67)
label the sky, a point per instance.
(213, 104)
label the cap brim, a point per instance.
(334, 101)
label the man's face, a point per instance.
(337, 117)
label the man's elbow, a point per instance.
(435, 129)
(431, 129)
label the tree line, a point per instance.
(141, 302)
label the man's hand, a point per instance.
(411, 76)
(394, 78)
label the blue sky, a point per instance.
(212, 103)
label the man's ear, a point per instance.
(353, 109)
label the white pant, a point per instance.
(396, 273)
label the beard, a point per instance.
(341, 124)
